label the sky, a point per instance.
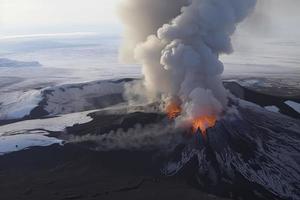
(275, 17)
(40, 16)
(19, 17)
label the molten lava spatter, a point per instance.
(203, 123)
(173, 110)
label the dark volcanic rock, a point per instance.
(104, 123)
(77, 173)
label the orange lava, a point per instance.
(203, 123)
(173, 110)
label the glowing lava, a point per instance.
(173, 110)
(203, 123)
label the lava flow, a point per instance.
(173, 110)
(203, 123)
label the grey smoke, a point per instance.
(147, 138)
(178, 42)
(143, 18)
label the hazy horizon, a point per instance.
(17, 17)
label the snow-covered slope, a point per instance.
(54, 124)
(81, 97)
(14, 143)
(62, 99)
(16, 105)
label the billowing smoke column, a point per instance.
(178, 42)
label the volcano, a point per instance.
(249, 153)
(133, 151)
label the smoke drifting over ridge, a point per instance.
(178, 42)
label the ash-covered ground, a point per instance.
(91, 145)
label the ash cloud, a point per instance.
(179, 43)
(143, 18)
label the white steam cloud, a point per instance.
(178, 42)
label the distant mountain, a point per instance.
(4, 62)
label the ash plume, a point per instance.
(143, 18)
(178, 42)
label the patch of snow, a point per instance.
(294, 105)
(16, 105)
(50, 124)
(272, 108)
(20, 142)
(251, 83)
